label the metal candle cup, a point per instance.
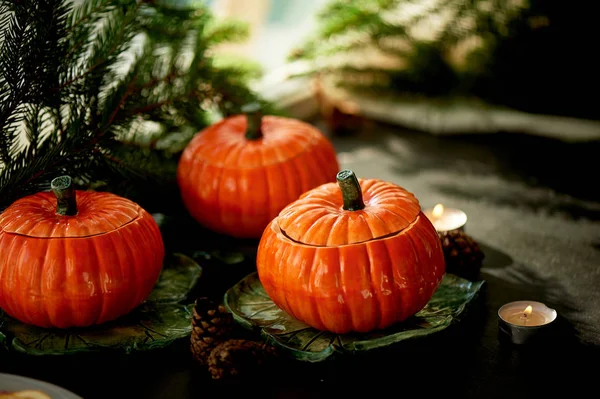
(446, 219)
(523, 321)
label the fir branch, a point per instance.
(226, 32)
(17, 34)
(111, 41)
(87, 14)
(34, 124)
(133, 162)
(69, 89)
(81, 33)
(367, 20)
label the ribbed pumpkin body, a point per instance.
(236, 186)
(65, 271)
(351, 271)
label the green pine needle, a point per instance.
(109, 91)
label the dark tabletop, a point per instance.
(533, 206)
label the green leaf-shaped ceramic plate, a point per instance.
(163, 318)
(252, 308)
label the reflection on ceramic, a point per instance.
(162, 319)
(13, 383)
(252, 308)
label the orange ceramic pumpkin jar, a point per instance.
(237, 175)
(353, 257)
(76, 258)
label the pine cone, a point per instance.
(462, 254)
(211, 324)
(238, 358)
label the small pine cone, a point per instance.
(238, 358)
(462, 254)
(211, 324)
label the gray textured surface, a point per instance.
(531, 204)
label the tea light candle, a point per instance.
(520, 321)
(446, 219)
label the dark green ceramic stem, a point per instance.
(351, 192)
(254, 121)
(66, 203)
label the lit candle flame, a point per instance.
(438, 210)
(527, 311)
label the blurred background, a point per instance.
(162, 70)
(276, 27)
(444, 66)
(441, 66)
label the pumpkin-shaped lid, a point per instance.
(350, 212)
(67, 213)
(251, 140)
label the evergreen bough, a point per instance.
(110, 91)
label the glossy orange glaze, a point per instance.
(362, 280)
(236, 186)
(64, 271)
(318, 217)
